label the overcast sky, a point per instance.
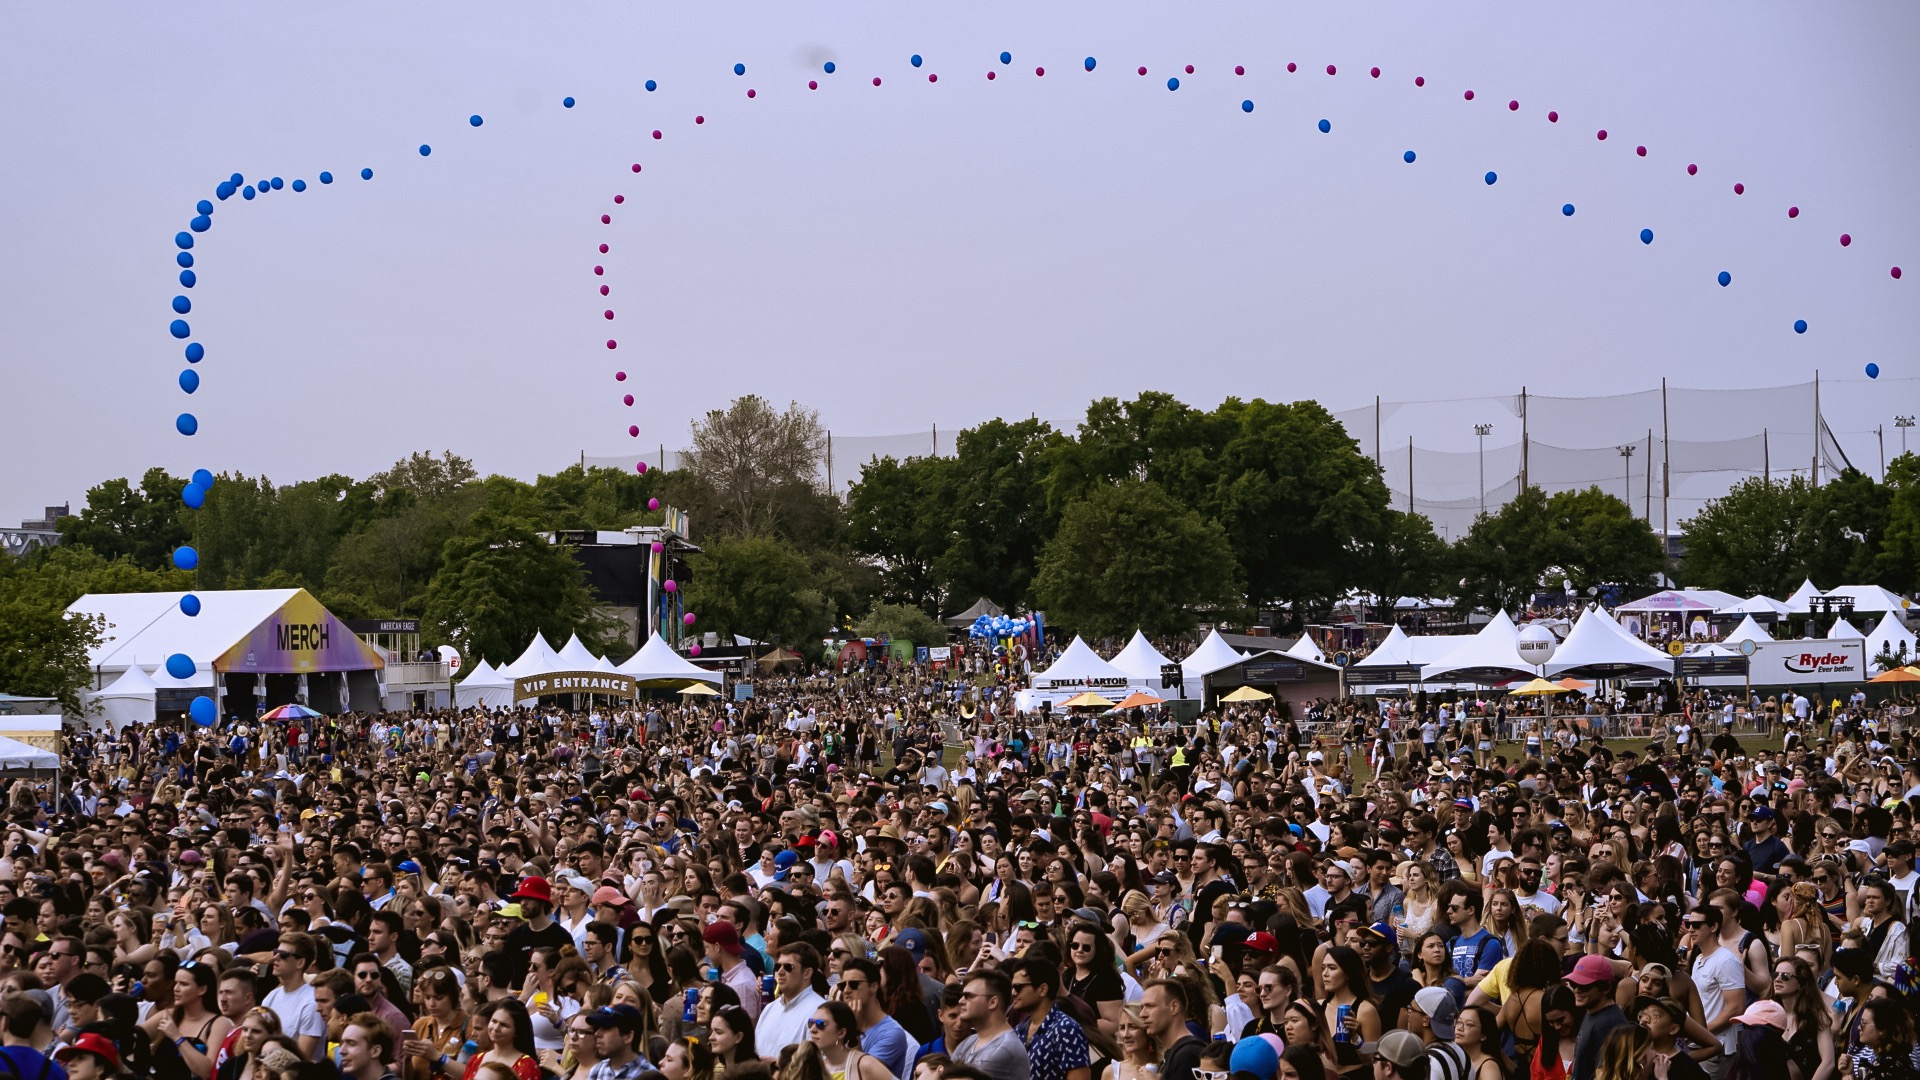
(920, 254)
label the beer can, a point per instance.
(1340, 1015)
(693, 1000)
(766, 988)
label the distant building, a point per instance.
(37, 533)
(624, 574)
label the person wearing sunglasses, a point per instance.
(783, 1020)
(835, 1032)
(1056, 1045)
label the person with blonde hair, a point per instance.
(1138, 1052)
(1625, 1055)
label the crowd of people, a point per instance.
(852, 877)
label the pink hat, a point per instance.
(1764, 1012)
(1590, 970)
(1796, 785)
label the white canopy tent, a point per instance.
(130, 699)
(1843, 630)
(1078, 670)
(1757, 604)
(1140, 660)
(1800, 603)
(575, 656)
(1394, 650)
(1890, 636)
(1748, 630)
(484, 687)
(1600, 648)
(1210, 656)
(1305, 649)
(18, 758)
(657, 663)
(538, 659)
(1490, 656)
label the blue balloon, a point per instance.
(189, 605)
(193, 495)
(184, 259)
(1567, 210)
(1409, 157)
(278, 183)
(1492, 177)
(1725, 279)
(179, 328)
(186, 424)
(182, 305)
(1799, 326)
(225, 191)
(326, 177)
(1646, 236)
(1090, 62)
(247, 193)
(203, 206)
(739, 69)
(1174, 84)
(475, 120)
(204, 711)
(195, 352)
(914, 60)
(366, 174)
(425, 149)
(1324, 125)
(189, 380)
(183, 240)
(1873, 371)
(180, 666)
(201, 223)
(185, 558)
(1006, 57)
(652, 86)
(236, 179)
(188, 279)
(203, 477)
(566, 103)
(299, 185)
(1247, 105)
(827, 67)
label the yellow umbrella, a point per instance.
(700, 689)
(1538, 687)
(1248, 693)
(1138, 699)
(1088, 700)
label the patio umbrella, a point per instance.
(1575, 685)
(1088, 700)
(1137, 699)
(290, 712)
(1538, 687)
(1899, 674)
(1248, 693)
(699, 689)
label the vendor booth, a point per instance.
(1078, 670)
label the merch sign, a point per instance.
(573, 682)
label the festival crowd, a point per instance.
(859, 877)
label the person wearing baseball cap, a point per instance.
(1393, 987)
(1402, 1051)
(1430, 1015)
(727, 952)
(1592, 980)
(91, 1056)
(536, 929)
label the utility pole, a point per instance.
(1903, 423)
(1483, 430)
(1626, 475)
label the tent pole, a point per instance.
(1666, 483)
(1523, 440)
(1816, 428)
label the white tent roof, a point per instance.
(656, 660)
(538, 659)
(575, 656)
(1756, 604)
(1681, 601)
(1870, 597)
(485, 687)
(16, 755)
(201, 678)
(148, 625)
(1798, 602)
(1748, 630)
(1394, 649)
(1140, 660)
(1212, 655)
(1842, 629)
(1888, 636)
(1599, 647)
(484, 675)
(132, 683)
(1305, 649)
(601, 663)
(1493, 654)
(1077, 664)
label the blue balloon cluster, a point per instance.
(998, 626)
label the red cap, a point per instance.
(804, 842)
(90, 1043)
(534, 888)
(1261, 941)
(721, 932)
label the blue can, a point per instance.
(693, 1000)
(1340, 1015)
(766, 988)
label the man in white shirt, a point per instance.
(1717, 973)
(292, 1001)
(784, 1019)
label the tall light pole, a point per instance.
(1626, 471)
(1903, 423)
(1483, 430)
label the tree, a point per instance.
(1597, 541)
(760, 588)
(1503, 555)
(1899, 559)
(900, 513)
(1751, 539)
(749, 454)
(500, 583)
(143, 524)
(43, 649)
(1403, 558)
(1588, 537)
(903, 622)
(424, 476)
(998, 510)
(1128, 556)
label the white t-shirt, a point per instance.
(297, 1012)
(1715, 975)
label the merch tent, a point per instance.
(1890, 637)
(484, 687)
(1600, 648)
(130, 699)
(1140, 660)
(1490, 656)
(656, 664)
(1748, 630)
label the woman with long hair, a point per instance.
(901, 996)
(581, 1055)
(1760, 1053)
(683, 968)
(835, 1032)
(1138, 1051)
(510, 1034)
(1625, 1055)
(647, 963)
(1420, 908)
(1560, 1018)
(1349, 994)
(1886, 1043)
(730, 1031)
(1091, 975)
(1477, 1031)
(548, 1005)
(1302, 1062)
(1432, 960)
(194, 1024)
(1803, 925)
(687, 1058)
(1533, 970)
(1809, 1030)
(800, 1061)
(1301, 1024)
(1506, 921)
(441, 1026)
(257, 1025)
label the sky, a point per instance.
(918, 252)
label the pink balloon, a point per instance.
(1693, 170)
(629, 400)
(1190, 69)
(1739, 189)
(619, 376)
(1602, 135)
(1039, 71)
(599, 270)
(618, 199)
(1143, 71)
(933, 78)
(606, 219)
(633, 430)
(694, 650)
(653, 504)
(699, 119)
(751, 94)
(670, 585)
(1331, 70)
(636, 166)
(1239, 69)
(1793, 211)
(1641, 150)
(656, 133)
(1469, 95)
(876, 80)
(612, 344)
(641, 467)
(658, 547)
(989, 77)
(687, 619)
(1846, 239)
(604, 249)
(1291, 67)
(1553, 116)
(1513, 106)
(608, 313)
(605, 289)
(1419, 80)
(1896, 273)
(1375, 73)
(813, 84)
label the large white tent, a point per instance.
(1080, 668)
(1600, 648)
(1801, 602)
(537, 659)
(1305, 649)
(484, 687)
(1869, 597)
(1490, 656)
(1140, 660)
(657, 663)
(1748, 630)
(575, 656)
(1757, 604)
(1892, 637)
(1210, 656)
(18, 758)
(130, 699)
(1842, 630)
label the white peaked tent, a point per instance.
(1213, 654)
(1600, 648)
(1748, 630)
(1800, 602)
(1394, 650)
(1843, 630)
(574, 656)
(1888, 637)
(1081, 668)
(484, 687)
(538, 659)
(18, 758)
(656, 662)
(1305, 649)
(1490, 656)
(1757, 604)
(129, 699)
(1140, 660)
(601, 663)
